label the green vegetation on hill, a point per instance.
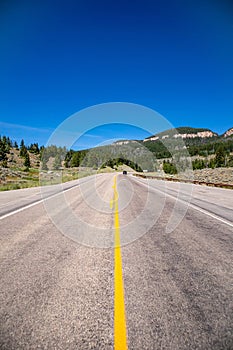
(190, 130)
(169, 167)
(57, 153)
(74, 158)
(168, 154)
(158, 148)
(132, 153)
(112, 163)
(209, 148)
(202, 147)
(221, 159)
(5, 145)
(180, 130)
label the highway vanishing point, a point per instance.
(112, 261)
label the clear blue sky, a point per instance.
(58, 57)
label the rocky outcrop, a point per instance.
(200, 134)
(229, 132)
(153, 138)
(124, 142)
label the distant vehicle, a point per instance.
(124, 172)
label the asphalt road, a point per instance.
(57, 265)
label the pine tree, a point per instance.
(3, 153)
(57, 162)
(44, 164)
(9, 142)
(23, 149)
(34, 148)
(75, 160)
(27, 162)
(220, 157)
(22, 144)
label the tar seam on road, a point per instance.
(120, 333)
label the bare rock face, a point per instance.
(181, 134)
(201, 134)
(228, 132)
(154, 138)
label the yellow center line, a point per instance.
(120, 333)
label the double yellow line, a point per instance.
(120, 334)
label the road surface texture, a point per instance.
(58, 254)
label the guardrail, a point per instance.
(196, 182)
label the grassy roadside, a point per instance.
(18, 178)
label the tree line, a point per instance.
(6, 144)
(220, 151)
(195, 147)
(221, 159)
(112, 163)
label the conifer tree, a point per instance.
(23, 149)
(27, 162)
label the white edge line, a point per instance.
(15, 200)
(38, 202)
(229, 223)
(21, 209)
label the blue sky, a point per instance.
(58, 57)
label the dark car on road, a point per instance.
(124, 172)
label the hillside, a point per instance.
(228, 133)
(185, 132)
(20, 165)
(13, 172)
(201, 142)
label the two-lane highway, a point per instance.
(61, 275)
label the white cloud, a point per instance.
(24, 127)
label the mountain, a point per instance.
(184, 132)
(198, 141)
(228, 133)
(19, 166)
(202, 142)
